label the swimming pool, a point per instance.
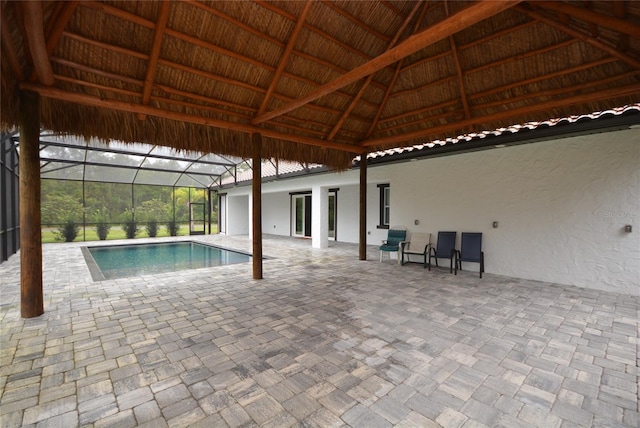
(120, 261)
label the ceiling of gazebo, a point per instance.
(321, 81)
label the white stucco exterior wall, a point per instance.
(561, 206)
(238, 219)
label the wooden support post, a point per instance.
(256, 214)
(363, 206)
(31, 295)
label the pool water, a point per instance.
(120, 261)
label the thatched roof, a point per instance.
(321, 81)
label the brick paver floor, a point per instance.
(323, 340)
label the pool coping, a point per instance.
(97, 275)
(94, 270)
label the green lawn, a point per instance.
(116, 232)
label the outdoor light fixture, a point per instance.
(495, 224)
(628, 228)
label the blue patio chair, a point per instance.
(392, 244)
(445, 249)
(470, 251)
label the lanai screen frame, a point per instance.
(74, 158)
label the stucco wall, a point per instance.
(561, 206)
(237, 214)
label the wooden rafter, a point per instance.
(580, 87)
(459, 73)
(284, 59)
(59, 24)
(210, 46)
(524, 55)
(34, 27)
(424, 87)
(161, 25)
(419, 112)
(589, 16)
(505, 114)
(191, 70)
(97, 72)
(89, 100)
(451, 103)
(542, 78)
(106, 46)
(356, 21)
(321, 33)
(620, 11)
(579, 35)
(277, 42)
(366, 83)
(457, 22)
(391, 85)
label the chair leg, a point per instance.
(381, 255)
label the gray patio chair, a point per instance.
(418, 245)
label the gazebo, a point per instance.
(312, 81)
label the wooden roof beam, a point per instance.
(490, 92)
(549, 76)
(628, 90)
(579, 35)
(620, 11)
(284, 59)
(273, 40)
(366, 83)
(73, 97)
(59, 24)
(163, 17)
(451, 25)
(459, 74)
(559, 91)
(590, 16)
(394, 79)
(356, 21)
(327, 36)
(554, 92)
(34, 27)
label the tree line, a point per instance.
(64, 201)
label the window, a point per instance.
(385, 206)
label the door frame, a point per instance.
(305, 197)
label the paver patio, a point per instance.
(324, 340)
